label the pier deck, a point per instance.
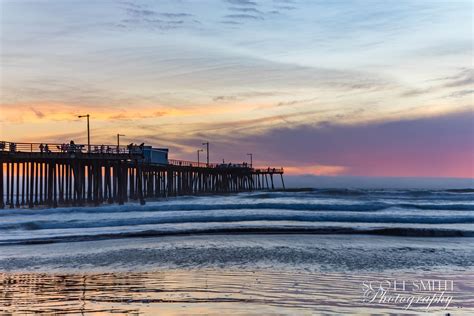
(33, 174)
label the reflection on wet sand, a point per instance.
(209, 292)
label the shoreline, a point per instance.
(324, 253)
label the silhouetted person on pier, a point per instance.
(46, 149)
(41, 147)
(12, 147)
(72, 147)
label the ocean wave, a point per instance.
(197, 217)
(388, 231)
(460, 190)
(398, 193)
(164, 207)
(418, 213)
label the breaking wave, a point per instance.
(429, 213)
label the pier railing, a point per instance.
(47, 148)
(186, 163)
(66, 148)
(268, 170)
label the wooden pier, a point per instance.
(34, 174)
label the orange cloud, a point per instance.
(318, 170)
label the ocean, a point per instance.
(299, 251)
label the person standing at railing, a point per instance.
(72, 147)
(46, 149)
(41, 147)
(12, 147)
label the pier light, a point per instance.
(251, 159)
(118, 142)
(88, 132)
(207, 151)
(198, 151)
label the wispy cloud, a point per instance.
(459, 94)
(246, 10)
(38, 113)
(463, 78)
(153, 19)
(243, 17)
(242, 2)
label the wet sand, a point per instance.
(233, 275)
(216, 292)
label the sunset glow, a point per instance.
(368, 88)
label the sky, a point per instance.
(348, 88)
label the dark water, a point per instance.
(441, 213)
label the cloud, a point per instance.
(294, 102)
(326, 170)
(130, 4)
(432, 146)
(459, 94)
(416, 92)
(139, 16)
(285, 7)
(246, 10)
(242, 2)
(246, 95)
(231, 22)
(176, 15)
(224, 98)
(38, 113)
(141, 12)
(464, 78)
(243, 17)
(135, 116)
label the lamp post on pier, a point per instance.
(207, 152)
(118, 142)
(198, 151)
(251, 159)
(88, 132)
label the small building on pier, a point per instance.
(157, 156)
